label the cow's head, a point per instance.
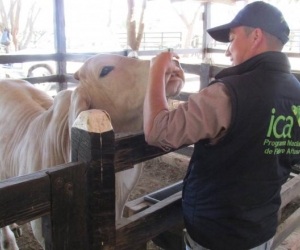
(116, 84)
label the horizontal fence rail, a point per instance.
(205, 71)
(57, 191)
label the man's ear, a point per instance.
(257, 36)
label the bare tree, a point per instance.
(10, 19)
(134, 38)
(189, 24)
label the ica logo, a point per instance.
(281, 126)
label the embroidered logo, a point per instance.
(296, 111)
(279, 139)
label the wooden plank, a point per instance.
(136, 206)
(292, 242)
(70, 78)
(68, 208)
(81, 57)
(187, 151)
(191, 68)
(290, 190)
(147, 224)
(28, 58)
(96, 150)
(286, 228)
(24, 198)
(41, 79)
(215, 69)
(205, 75)
(205, 25)
(60, 42)
(132, 149)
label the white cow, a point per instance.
(35, 129)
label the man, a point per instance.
(245, 129)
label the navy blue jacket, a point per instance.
(231, 192)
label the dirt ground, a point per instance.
(156, 174)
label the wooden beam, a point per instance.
(286, 228)
(292, 242)
(60, 42)
(68, 196)
(147, 224)
(206, 20)
(16, 206)
(92, 141)
(290, 190)
(27, 58)
(33, 80)
(133, 149)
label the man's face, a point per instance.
(239, 49)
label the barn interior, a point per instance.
(46, 42)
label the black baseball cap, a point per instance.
(256, 15)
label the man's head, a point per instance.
(257, 28)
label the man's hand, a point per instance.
(175, 80)
(174, 75)
(166, 78)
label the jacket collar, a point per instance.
(271, 60)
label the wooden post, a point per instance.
(67, 207)
(206, 24)
(204, 75)
(60, 43)
(93, 144)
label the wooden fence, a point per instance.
(205, 71)
(80, 196)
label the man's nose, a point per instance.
(227, 52)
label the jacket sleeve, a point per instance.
(206, 115)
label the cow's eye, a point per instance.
(106, 70)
